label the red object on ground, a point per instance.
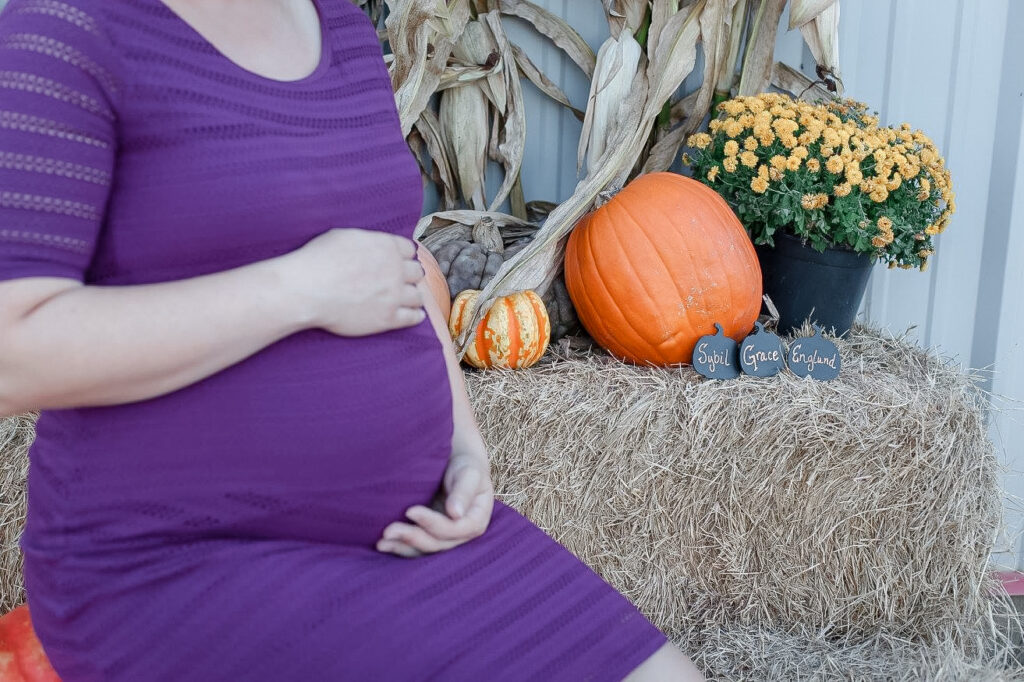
(21, 655)
(1012, 581)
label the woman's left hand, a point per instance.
(461, 515)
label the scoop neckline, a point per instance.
(326, 53)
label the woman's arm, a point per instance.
(85, 345)
(466, 438)
(95, 345)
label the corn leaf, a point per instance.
(554, 27)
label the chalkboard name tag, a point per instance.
(716, 356)
(762, 353)
(814, 356)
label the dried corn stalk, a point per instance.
(633, 120)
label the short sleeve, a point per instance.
(58, 90)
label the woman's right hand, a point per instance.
(357, 282)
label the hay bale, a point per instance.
(862, 508)
(16, 434)
(774, 528)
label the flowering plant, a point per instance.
(828, 174)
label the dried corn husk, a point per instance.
(477, 47)
(727, 69)
(463, 115)
(511, 226)
(412, 26)
(617, 62)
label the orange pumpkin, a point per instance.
(653, 270)
(513, 334)
(22, 658)
(435, 280)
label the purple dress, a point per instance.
(226, 530)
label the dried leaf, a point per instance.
(625, 14)
(512, 143)
(543, 83)
(757, 64)
(715, 20)
(429, 128)
(554, 27)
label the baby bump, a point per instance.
(316, 437)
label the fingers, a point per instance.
(413, 271)
(460, 495)
(406, 317)
(410, 296)
(406, 247)
(414, 537)
(472, 524)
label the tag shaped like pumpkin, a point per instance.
(514, 333)
(761, 353)
(814, 356)
(716, 356)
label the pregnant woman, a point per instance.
(256, 459)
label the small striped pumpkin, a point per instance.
(513, 334)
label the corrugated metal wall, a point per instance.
(946, 67)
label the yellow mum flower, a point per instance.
(879, 195)
(778, 161)
(793, 163)
(715, 125)
(788, 141)
(853, 174)
(813, 165)
(932, 230)
(924, 253)
(733, 107)
(759, 185)
(762, 172)
(699, 140)
(732, 148)
(733, 128)
(842, 189)
(748, 159)
(894, 183)
(826, 151)
(799, 152)
(884, 224)
(878, 242)
(810, 201)
(775, 174)
(755, 105)
(834, 165)
(750, 144)
(729, 163)
(766, 139)
(713, 173)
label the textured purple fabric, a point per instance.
(225, 531)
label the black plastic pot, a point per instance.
(827, 287)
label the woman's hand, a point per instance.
(356, 282)
(468, 504)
